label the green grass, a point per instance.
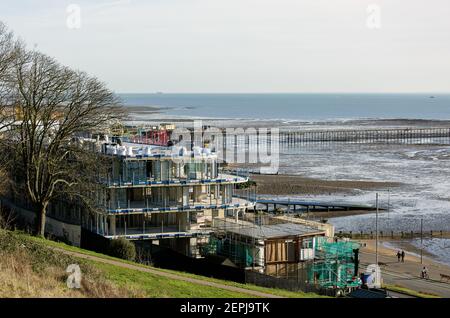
(410, 292)
(148, 281)
(158, 286)
(32, 269)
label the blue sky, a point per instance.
(245, 45)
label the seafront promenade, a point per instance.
(407, 274)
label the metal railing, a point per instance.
(129, 182)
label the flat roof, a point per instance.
(142, 151)
(271, 231)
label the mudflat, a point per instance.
(300, 185)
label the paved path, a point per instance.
(407, 274)
(394, 294)
(168, 275)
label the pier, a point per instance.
(314, 206)
(324, 137)
(385, 135)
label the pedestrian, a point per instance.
(425, 272)
(403, 256)
(399, 255)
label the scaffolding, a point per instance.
(237, 240)
(239, 253)
(245, 241)
(334, 265)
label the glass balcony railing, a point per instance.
(143, 207)
(156, 233)
(130, 182)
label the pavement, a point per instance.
(408, 274)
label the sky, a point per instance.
(237, 46)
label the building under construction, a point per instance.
(180, 199)
(286, 247)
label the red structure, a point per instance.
(152, 137)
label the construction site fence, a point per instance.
(393, 234)
(294, 284)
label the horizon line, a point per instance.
(286, 93)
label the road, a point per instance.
(407, 274)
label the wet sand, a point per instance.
(336, 214)
(300, 185)
(172, 116)
(139, 110)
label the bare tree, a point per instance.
(8, 46)
(7, 218)
(56, 103)
(8, 49)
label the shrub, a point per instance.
(122, 248)
(246, 185)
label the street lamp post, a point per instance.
(376, 230)
(389, 202)
(421, 240)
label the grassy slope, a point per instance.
(30, 269)
(131, 283)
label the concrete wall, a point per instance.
(69, 232)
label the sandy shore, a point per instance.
(411, 251)
(407, 274)
(299, 185)
(412, 254)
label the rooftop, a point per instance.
(132, 150)
(138, 150)
(264, 232)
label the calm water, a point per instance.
(296, 106)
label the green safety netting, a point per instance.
(237, 252)
(334, 264)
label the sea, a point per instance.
(300, 107)
(423, 169)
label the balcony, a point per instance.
(137, 207)
(155, 233)
(144, 182)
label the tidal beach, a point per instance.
(409, 177)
